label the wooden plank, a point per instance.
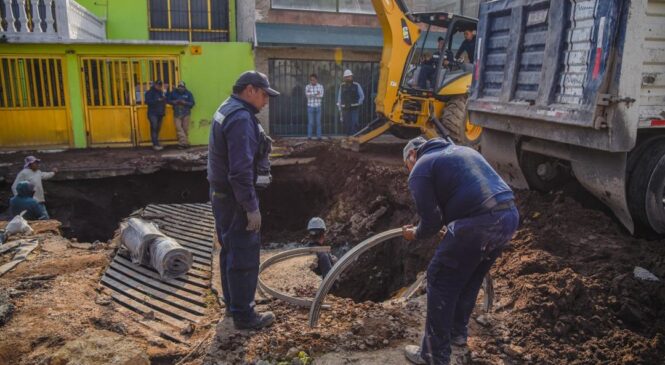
(204, 242)
(191, 279)
(186, 229)
(172, 295)
(189, 227)
(165, 212)
(164, 330)
(141, 308)
(205, 268)
(175, 231)
(149, 301)
(137, 270)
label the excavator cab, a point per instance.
(424, 79)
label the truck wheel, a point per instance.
(455, 119)
(646, 189)
(542, 173)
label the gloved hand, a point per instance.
(254, 221)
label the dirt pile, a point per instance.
(567, 291)
(346, 326)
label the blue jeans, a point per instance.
(239, 256)
(313, 116)
(155, 126)
(455, 275)
(351, 118)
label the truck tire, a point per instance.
(646, 190)
(553, 177)
(455, 120)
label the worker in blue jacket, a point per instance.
(456, 187)
(238, 165)
(24, 201)
(316, 230)
(156, 99)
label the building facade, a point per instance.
(74, 76)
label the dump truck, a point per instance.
(576, 88)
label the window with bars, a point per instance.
(31, 82)
(341, 6)
(189, 20)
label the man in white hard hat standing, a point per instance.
(349, 99)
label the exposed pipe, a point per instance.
(341, 265)
(282, 256)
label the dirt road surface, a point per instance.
(565, 289)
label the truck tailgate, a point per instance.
(547, 60)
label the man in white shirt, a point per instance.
(314, 94)
(34, 175)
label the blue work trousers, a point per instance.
(351, 119)
(455, 275)
(239, 256)
(313, 117)
(155, 126)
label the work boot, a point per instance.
(458, 341)
(257, 321)
(413, 354)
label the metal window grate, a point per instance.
(31, 82)
(288, 112)
(189, 20)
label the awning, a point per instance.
(318, 36)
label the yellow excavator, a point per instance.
(422, 88)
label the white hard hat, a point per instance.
(413, 144)
(315, 224)
(348, 73)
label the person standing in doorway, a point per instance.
(183, 102)
(32, 174)
(156, 100)
(314, 94)
(238, 152)
(349, 99)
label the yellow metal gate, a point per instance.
(33, 102)
(114, 91)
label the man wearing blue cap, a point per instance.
(238, 165)
(455, 186)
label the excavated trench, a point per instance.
(354, 198)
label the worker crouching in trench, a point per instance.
(455, 186)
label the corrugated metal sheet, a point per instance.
(652, 95)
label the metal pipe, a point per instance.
(282, 256)
(341, 265)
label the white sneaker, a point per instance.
(412, 354)
(157, 148)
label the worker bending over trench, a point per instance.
(455, 186)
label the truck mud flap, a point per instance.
(500, 150)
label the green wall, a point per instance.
(209, 76)
(128, 19)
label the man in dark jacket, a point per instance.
(24, 201)
(156, 99)
(455, 186)
(468, 46)
(183, 102)
(237, 156)
(349, 99)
